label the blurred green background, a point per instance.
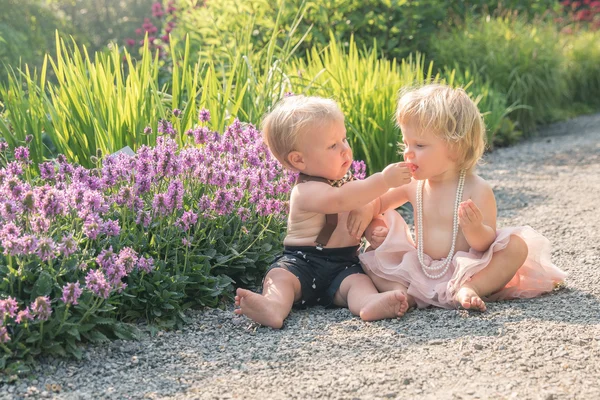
(78, 75)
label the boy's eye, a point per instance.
(332, 146)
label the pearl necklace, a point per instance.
(429, 271)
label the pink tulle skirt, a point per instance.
(396, 260)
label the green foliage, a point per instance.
(26, 33)
(212, 234)
(582, 56)
(105, 103)
(520, 59)
(399, 27)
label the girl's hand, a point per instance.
(469, 215)
(378, 236)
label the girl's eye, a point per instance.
(332, 146)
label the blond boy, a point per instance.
(320, 262)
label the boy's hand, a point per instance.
(378, 236)
(397, 174)
(469, 215)
(359, 219)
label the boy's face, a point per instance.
(323, 151)
(429, 153)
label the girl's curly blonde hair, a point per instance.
(450, 114)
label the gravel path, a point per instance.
(544, 348)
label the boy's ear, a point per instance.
(296, 160)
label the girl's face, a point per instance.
(430, 155)
(324, 151)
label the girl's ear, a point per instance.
(296, 160)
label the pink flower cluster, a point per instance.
(585, 12)
(157, 28)
(69, 209)
(9, 309)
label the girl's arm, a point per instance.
(477, 218)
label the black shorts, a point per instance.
(320, 272)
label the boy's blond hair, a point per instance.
(450, 114)
(283, 126)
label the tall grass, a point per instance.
(521, 59)
(24, 111)
(106, 103)
(582, 59)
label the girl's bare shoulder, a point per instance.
(477, 186)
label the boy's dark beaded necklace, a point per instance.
(331, 220)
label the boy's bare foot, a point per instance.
(384, 305)
(258, 308)
(469, 299)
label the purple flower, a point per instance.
(359, 169)
(8, 307)
(204, 115)
(243, 213)
(91, 226)
(175, 195)
(67, 246)
(28, 244)
(111, 228)
(14, 168)
(10, 230)
(166, 128)
(21, 153)
(160, 204)
(24, 315)
(147, 130)
(107, 258)
(128, 258)
(188, 219)
(176, 112)
(200, 135)
(96, 282)
(3, 146)
(146, 264)
(71, 293)
(46, 249)
(47, 170)
(143, 218)
(40, 224)
(41, 308)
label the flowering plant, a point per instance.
(136, 238)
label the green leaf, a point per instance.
(43, 285)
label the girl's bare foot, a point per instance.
(469, 299)
(258, 308)
(384, 305)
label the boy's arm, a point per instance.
(324, 199)
(359, 218)
(477, 219)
